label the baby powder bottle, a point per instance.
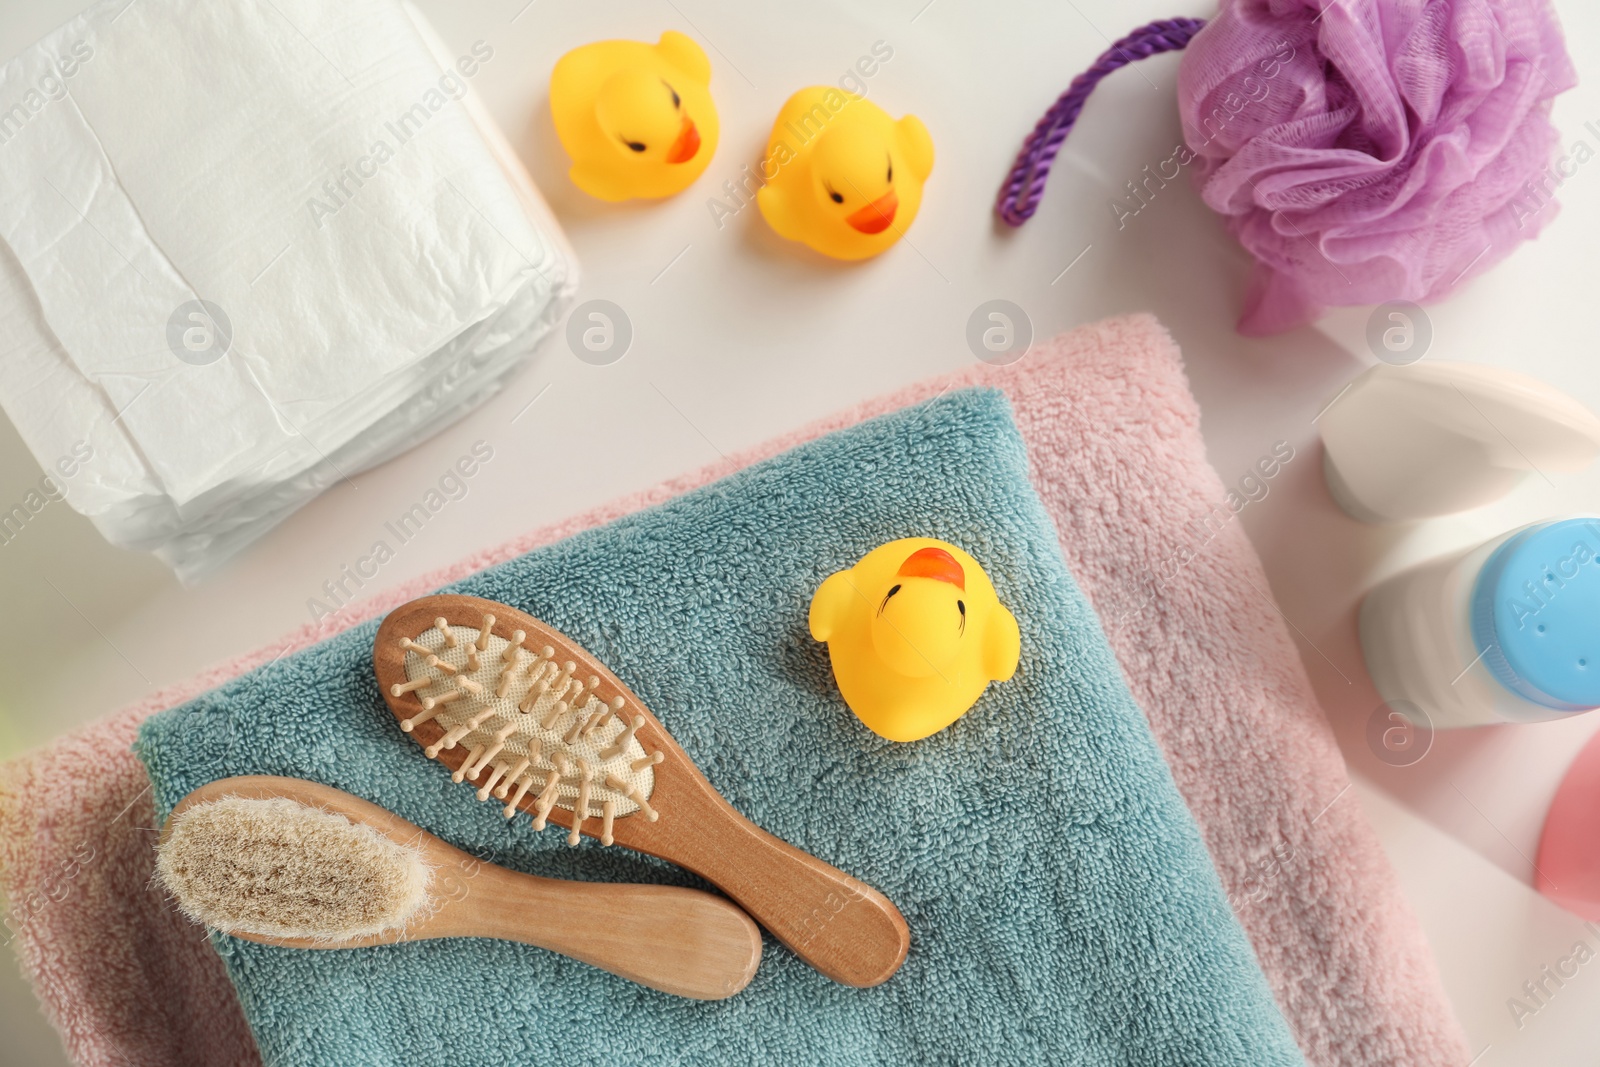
(1506, 632)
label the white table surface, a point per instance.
(740, 336)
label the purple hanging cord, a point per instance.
(1024, 186)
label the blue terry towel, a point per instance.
(1062, 907)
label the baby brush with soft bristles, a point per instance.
(532, 720)
(294, 863)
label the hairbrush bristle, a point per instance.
(530, 722)
(278, 868)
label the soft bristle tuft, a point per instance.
(278, 868)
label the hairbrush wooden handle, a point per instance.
(680, 941)
(838, 924)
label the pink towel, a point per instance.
(1113, 436)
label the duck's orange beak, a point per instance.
(933, 562)
(687, 144)
(876, 216)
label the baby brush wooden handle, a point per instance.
(679, 941)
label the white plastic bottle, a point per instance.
(1506, 632)
(1406, 443)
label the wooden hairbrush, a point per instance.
(333, 871)
(525, 714)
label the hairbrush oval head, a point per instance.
(528, 718)
(274, 867)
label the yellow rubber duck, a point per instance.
(915, 633)
(636, 118)
(841, 175)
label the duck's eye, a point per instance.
(886, 597)
(676, 102)
(890, 176)
(637, 146)
(962, 607)
(837, 199)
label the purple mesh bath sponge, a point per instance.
(1361, 150)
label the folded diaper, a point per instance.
(249, 250)
(1062, 906)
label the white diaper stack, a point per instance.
(250, 249)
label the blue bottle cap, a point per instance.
(1536, 614)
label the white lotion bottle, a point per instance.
(1435, 438)
(1503, 633)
